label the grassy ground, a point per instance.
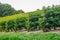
(31, 36)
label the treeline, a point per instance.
(46, 19)
(6, 10)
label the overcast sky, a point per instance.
(30, 5)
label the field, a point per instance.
(40, 24)
(31, 36)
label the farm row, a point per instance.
(45, 19)
(28, 21)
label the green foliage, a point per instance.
(20, 22)
(52, 15)
(28, 21)
(32, 36)
(46, 19)
(33, 19)
(14, 22)
(41, 21)
(20, 11)
(2, 26)
(6, 10)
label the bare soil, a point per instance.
(39, 31)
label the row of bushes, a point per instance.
(28, 21)
(46, 19)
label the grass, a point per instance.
(31, 36)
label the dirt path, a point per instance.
(39, 31)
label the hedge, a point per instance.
(28, 21)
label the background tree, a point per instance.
(20, 11)
(6, 9)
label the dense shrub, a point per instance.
(33, 19)
(52, 15)
(28, 21)
(13, 22)
(2, 26)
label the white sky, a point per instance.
(30, 5)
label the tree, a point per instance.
(52, 15)
(20, 11)
(6, 9)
